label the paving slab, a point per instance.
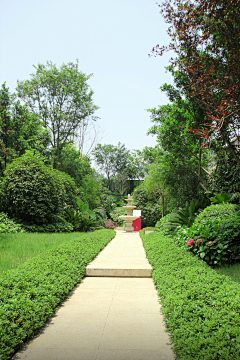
(124, 256)
(117, 318)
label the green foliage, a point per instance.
(201, 308)
(31, 293)
(58, 226)
(72, 162)
(62, 98)
(8, 225)
(90, 190)
(15, 249)
(111, 160)
(220, 198)
(82, 218)
(226, 173)
(115, 213)
(214, 235)
(160, 225)
(186, 216)
(217, 212)
(100, 214)
(35, 193)
(19, 130)
(145, 201)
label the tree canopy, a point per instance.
(61, 98)
(205, 35)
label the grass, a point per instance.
(15, 249)
(233, 271)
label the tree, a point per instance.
(111, 160)
(61, 98)
(20, 130)
(171, 124)
(205, 35)
(156, 183)
(75, 164)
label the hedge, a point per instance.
(201, 307)
(30, 293)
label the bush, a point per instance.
(33, 192)
(216, 212)
(59, 226)
(109, 224)
(31, 293)
(201, 308)
(9, 226)
(215, 235)
(160, 225)
(115, 213)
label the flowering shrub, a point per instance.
(215, 234)
(190, 242)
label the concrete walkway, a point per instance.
(114, 314)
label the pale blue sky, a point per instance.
(111, 39)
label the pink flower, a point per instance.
(190, 242)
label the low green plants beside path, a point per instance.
(17, 248)
(30, 293)
(200, 306)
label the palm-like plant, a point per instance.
(187, 215)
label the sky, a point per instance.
(111, 39)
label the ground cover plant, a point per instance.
(30, 293)
(200, 306)
(15, 249)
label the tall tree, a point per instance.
(61, 98)
(20, 130)
(111, 160)
(205, 35)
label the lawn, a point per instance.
(15, 249)
(233, 271)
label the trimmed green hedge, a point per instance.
(31, 293)
(201, 307)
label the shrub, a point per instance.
(160, 225)
(59, 226)
(216, 241)
(33, 192)
(214, 212)
(8, 225)
(201, 308)
(82, 218)
(115, 213)
(109, 224)
(186, 216)
(216, 234)
(31, 293)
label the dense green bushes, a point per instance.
(30, 293)
(214, 235)
(201, 308)
(8, 225)
(35, 193)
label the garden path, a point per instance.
(113, 314)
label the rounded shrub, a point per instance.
(34, 192)
(214, 235)
(218, 211)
